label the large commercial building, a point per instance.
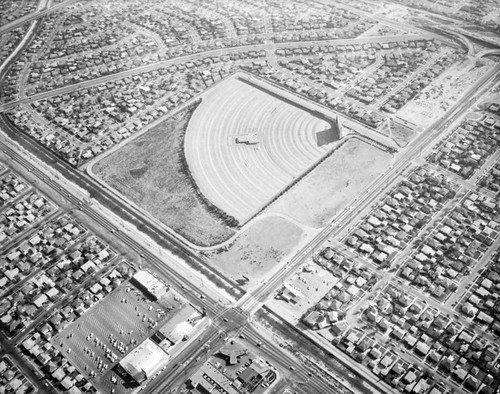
(242, 372)
(209, 379)
(146, 282)
(144, 361)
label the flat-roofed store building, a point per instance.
(144, 361)
(147, 283)
(209, 379)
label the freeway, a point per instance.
(253, 301)
(196, 294)
(227, 321)
(106, 198)
(231, 318)
(389, 22)
(183, 365)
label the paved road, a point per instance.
(252, 301)
(27, 37)
(184, 365)
(196, 56)
(33, 16)
(405, 26)
(227, 320)
(194, 293)
(107, 199)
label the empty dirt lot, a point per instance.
(331, 186)
(432, 103)
(259, 249)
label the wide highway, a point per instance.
(250, 302)
(109, 200)
(182, 366)
(366, 199)
(177, 279)
(226, 321)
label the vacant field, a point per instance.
(240, 179)
(258, 249)
(148, 171)
(381, 30)
(474, 116)
(492, 97)
(330, 187)
(444, 92)
(401, 134)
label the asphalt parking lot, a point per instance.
(108, 331)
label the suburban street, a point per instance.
(306, 361)
(183, 59)
(226, 319)
(252, 301)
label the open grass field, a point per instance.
(401, 134)
(148, 171)
(333, 184)
(381, 30)
(259, 249)
(492, 97)
(238, 178)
